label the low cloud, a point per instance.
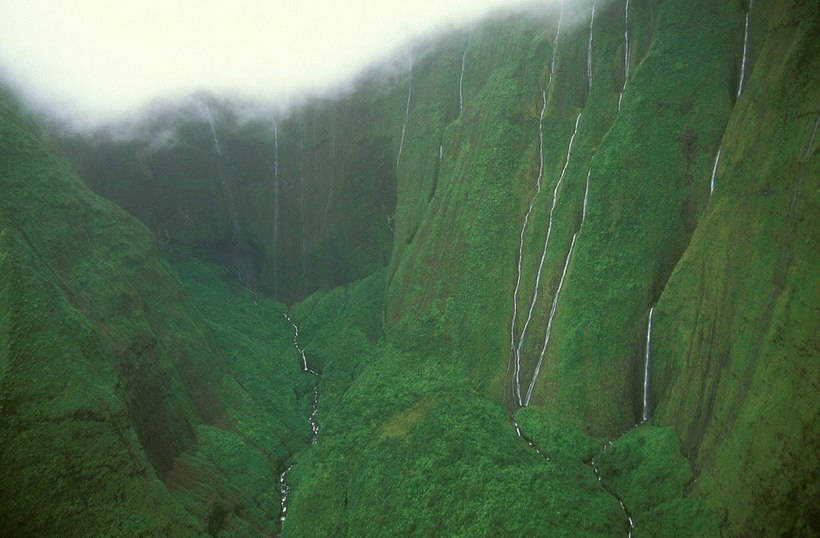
(93, 60)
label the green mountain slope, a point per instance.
(472, 241)
(125, 409)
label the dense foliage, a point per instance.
(146, 371)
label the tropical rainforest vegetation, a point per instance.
(556, 275)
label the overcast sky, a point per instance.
(95, 59)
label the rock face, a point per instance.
(289, 205)
(537, 155)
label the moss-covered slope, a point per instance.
(121, 404)
(603, 139)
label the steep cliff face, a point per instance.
(288, 202)
(675, 175)
(736, 340)
(508, 210)
(122, 405)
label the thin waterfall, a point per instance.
(333, 167)
(745, 49)
(646, 361)
(547, 240)
(555, 46)
(630, 523)
(553, 310)
(586, 196)
(812, 139)
(233, 214)
(314, 409)
(513, 347)
(626, 43)
(284, 487)
(284, 494)
(527, 440)
(714, 173)
(406, 114)
(589, 48)
(516, 356)
(302, 220)
(461, 80)
(217, 145)
(626, 54)
(276, 150)
(275, 238)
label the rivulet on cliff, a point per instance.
(557, 275)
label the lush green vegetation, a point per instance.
(126, 408)
(145, 370)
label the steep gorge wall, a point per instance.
(438, 165)
(120, 407)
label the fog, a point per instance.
(93, 60)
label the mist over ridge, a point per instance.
(93, 63)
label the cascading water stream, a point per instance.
(528, 441)
(284, 494)
(513, 346)
(461, 80)
(586, 197)
(546, 245)
(589, 48)
(741, 79)
(284, 487)
(406, 115)
(630, 523)
(714, 173)
(217, 145)
(275, 238)
(555, 47)
(626, 54)
(553, 310)
(745, 49)
(646, 366)
(515, 355)
(233, 214)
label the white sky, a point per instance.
(95, 59)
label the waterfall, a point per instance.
(812, 139)
(626, 54)
(210, 117)
(233, 213)
(275, 238)
(284, 488)
(302, 224)
(555, 46)
(461, 80)
(745, 49)
(647, 358)
(630, 523)
(547, 240)
(406, 114)
(553, 310)
(440, 153)
(284, 494)
(527, 440)
(586, 196)
(513, 347)
(589, 47)
(626, 42)
(314, 409)
(333, 167)
(714, 173)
